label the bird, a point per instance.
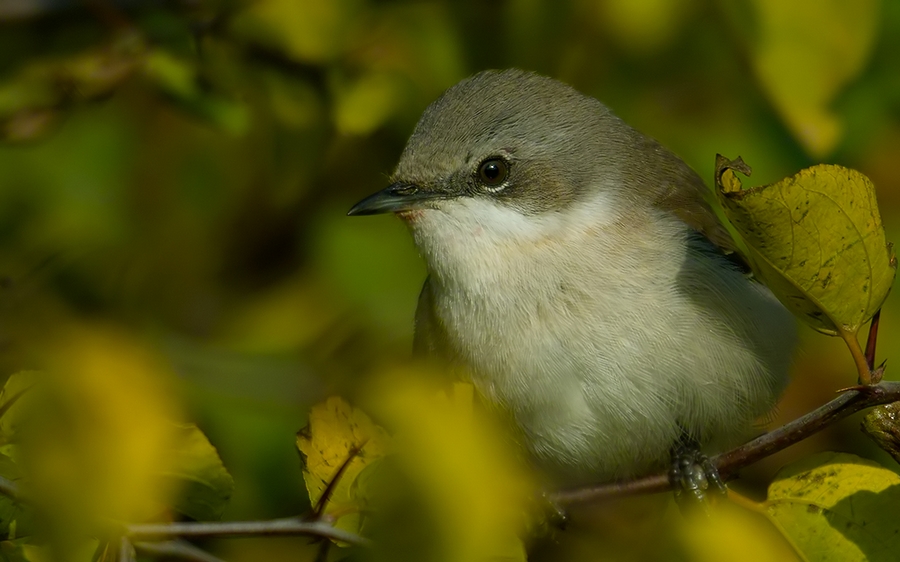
(579, 277)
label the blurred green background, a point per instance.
(181, 170)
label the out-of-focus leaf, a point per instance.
(194, 464)
(307, 31)
(14, 391)
(282, 319)
(417, 42)
(835, 506)
(642, 27)
(734, 534)
(374, 264)
(12, 513)
(817, 241)
(15, 551)
(28, 124)
(472, 479)
(96, 74)
(101, 432)
(803, 53)
(294, 101)
(178, 79)
(363, 105)
(31, 101)
(882, 424)
(335, 433)
(83, 551)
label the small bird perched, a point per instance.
(578, 275)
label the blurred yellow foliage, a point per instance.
(102, 431)
(642, 27)
(307, 30)
(465, 467)
(186, 173)
(804, 52)
(365, 104)
(734, 534)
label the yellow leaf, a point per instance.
(835, 506)
(361, 107)
(470, 477)
(817, 241)
(803, 53)
(734, 534)
(309, 30)
(643, 27)
(336, 432)
(99, 430)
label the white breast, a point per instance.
(603, 338)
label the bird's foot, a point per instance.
(692, 474)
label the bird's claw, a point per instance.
(692, 474)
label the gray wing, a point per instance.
(678, 189)
(428, 331)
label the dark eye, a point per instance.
(493, 172)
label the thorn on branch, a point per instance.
(871, 341)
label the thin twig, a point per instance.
(731, 462)
(175, 549)
(274, 527)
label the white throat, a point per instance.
(476, 243)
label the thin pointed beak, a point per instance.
(399, 196)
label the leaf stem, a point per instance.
(745, 502)
(859, 357)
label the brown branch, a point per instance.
(729, 463)
(274, 527)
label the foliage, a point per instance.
(837, 507)
(173, 180)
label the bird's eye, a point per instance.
(493, 172)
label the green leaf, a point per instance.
(14, 551)
(839, 507)
(206, 484)
(817, 241)
(179, 80)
